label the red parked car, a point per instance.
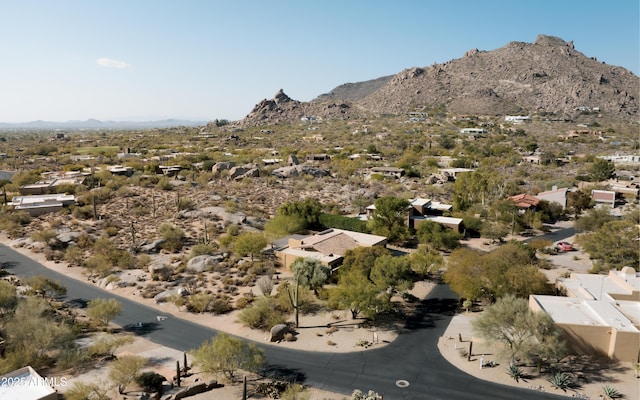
(564, 246)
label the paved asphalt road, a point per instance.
(413, 356)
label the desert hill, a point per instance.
(548, 77)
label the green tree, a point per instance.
(593, 220)
(510, 269)
(494, 231)
(613, 246)
(425, 260)
(601, 170)
(124, 370)
(509, 321)
(308, 211)
(283, 225)
(250, 244)
(356, 293)
(578, 201)
(390, 218)
(464, 273)
(392, 273)
(440, 238)
(311, 273)
(226, 354)
(362, 259)
(103, 310)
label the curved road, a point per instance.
(412, 357)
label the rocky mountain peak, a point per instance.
(548, 76)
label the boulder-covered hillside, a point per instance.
(548, 76)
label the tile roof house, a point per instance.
(327, 246)
(525, 201)
(606, 197)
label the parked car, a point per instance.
(564, 246)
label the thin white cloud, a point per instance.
(109, 63)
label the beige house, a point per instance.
(601, 313)
(42, 203)
(26, 384)
(327, 246)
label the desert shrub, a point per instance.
(85, 241)
(173, 236)
(44, 236)
(244, 301)
(271, 389)
(82, 212)
(295, 391)
(199, 302)
(164, 184)
(262, 314)
(150, 381)
(143, 261)
(203, 249)
(72, 357)
(220, 305)
(265, 285)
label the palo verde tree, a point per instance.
(226, 354)
(250, 244)
(510, 322)
(613, 246)
(103, 310)
(438, 237)
(307, 272)
(124, 370)
(510, 269)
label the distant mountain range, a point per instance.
(94, 124)
(548, 77)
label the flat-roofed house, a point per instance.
(26, 384)
(600, 313)
(327, 246)
(42, 204)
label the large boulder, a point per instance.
(65, 238)
(277, 333)
(243, 171)
(222, 166)
(152, 247)
(168, 294)
(298, 170)
(203, 263)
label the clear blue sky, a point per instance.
(205, 59)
